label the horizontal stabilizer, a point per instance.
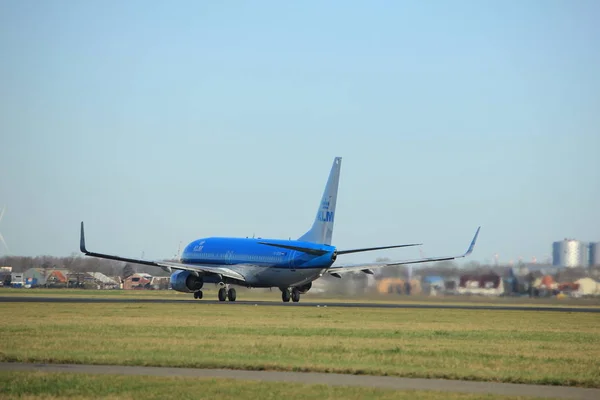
(307, 250)
(377, 248)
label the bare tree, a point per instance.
(128, 271)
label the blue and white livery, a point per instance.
(290, 265)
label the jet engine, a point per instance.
(304, 288)
(186, 281)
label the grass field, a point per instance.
(509, 346)
(244, 294)
(18, 385)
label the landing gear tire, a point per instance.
(285, 296)
(222, 294)
(231, 294)
(295, 295)
(198, 295)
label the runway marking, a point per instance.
(508, 389)
(20, 299)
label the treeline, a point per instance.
(442, 268)
(78, 263)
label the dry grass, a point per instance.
(26, 385)
(508, 346)
(265, 295)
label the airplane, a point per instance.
(290, 265)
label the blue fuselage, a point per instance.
(262, 265)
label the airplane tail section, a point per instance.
(322, 229)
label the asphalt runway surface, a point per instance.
(308, 303)
(384, 382)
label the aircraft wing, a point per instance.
(165, 265)
(366, 268)
(227, 272)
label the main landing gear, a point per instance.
(286, 295)
(223, 294)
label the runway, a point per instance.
(311, 303)
(387, 382)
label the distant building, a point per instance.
(34, 277)
(137, 281)
(91, 280)
(432, 285)
(594, 255)
(5, 277)
(76, 279)
(57, 278)
(102, 281)
(160, 283)
(587, 287)
(570, 253)
(398, 286)
(119, 281)
(16, 279)
(490, 284)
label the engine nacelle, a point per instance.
(186, 281)
(304, 288)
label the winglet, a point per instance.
(82, 241)
(472, 245)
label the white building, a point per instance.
(570, 253)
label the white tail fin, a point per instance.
(322, 228)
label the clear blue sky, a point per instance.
(161, 122)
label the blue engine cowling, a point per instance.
(186, 281)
